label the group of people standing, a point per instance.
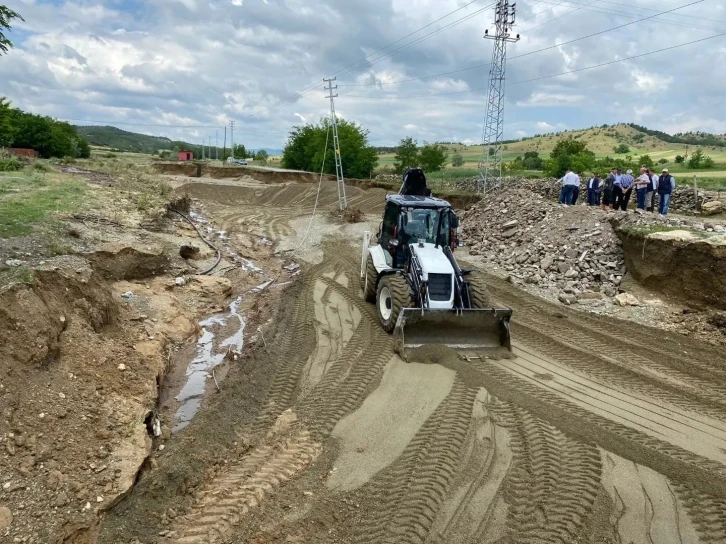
(616, 189)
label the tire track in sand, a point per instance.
(706, 511)
(362, 361)
(553, 481)
(701, 380)
(223, 501)
(472, 509)
(407, 494)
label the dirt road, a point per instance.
(596, 430)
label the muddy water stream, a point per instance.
(222, 334)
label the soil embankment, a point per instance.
(687, 265)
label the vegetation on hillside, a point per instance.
(306, 144)
(429, 157)
(48, 136)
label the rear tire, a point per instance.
(478, 293)
(369, 281)
(392, 296)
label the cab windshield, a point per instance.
(423, 223)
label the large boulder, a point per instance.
(713, 207)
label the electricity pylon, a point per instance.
(490, 165)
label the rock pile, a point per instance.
(572, 249)
(682, 200)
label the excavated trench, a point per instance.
(324, 434)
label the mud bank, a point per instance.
(683, 264)
(457, 200)
(230, 172)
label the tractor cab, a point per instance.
(409, 219)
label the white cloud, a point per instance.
(169, 59)
(547, 99)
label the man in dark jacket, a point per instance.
(607, 193)
(593, 190)
(666, 186)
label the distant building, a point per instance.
(21, 152)
(186, 156)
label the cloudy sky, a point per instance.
(154, 65)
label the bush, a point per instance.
(621, 149)
(10, 165)
(680, 159)
(662, 161)
(41, 167)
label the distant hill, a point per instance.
(123, 140)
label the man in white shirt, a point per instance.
(642, 182)
(569, 181)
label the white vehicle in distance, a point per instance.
(241, 162)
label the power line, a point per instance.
(551, 75)
(312, 86)
(422, 38)
(557, 45)
(629, 14)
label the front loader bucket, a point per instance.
(457, 329)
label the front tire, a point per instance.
(392, 296)
(479, 296)
(369, 281)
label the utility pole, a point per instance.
(342, 200)
(202, 148)
(224, 149)
(216, 144)
(490, 165)
(231, 136)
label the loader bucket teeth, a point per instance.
(486, 328)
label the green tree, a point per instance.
(621, 149)
(662, 161)
(262, 156)
(457, 160)
(680, 159)
(240, 151)
(569, 153)
(708, 162)
(7, 127)
(305, 147)
(646, 160)
(432, 157)
(6, 17)
(406, 155)
(696, 159)
(532, 161)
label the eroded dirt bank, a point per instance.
(322, 433)
(679, 263)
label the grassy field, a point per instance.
(29, 198)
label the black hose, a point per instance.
(219, 255)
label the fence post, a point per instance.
(695, 193)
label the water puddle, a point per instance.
(210, 353)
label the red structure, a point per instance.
(20, 152)
(186, 156)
